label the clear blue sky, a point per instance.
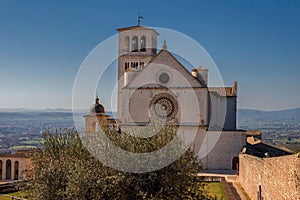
(43, 43)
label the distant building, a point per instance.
(15, 166)
(259, 148)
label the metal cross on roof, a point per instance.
(139, 19)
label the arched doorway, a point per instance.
(8, 170)
(235, 163)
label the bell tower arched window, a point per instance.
(134, 44)
(143, 43)
(126, 44)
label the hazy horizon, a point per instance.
(87, 109)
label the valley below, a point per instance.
(23, 129)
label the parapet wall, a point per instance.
(279, 177)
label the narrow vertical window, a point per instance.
(143, 43)
(141, 64)
(16, 176)
(153, 45)
(0, 169)
(8, 170)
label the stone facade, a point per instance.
(184, 95)
(278, 177)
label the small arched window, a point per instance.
(143, 43)
(126, 65)
(16, 176)
(142, 65)
(134, 44)
(0, 169)
(126, 44)
(8, 170)
(154, 42)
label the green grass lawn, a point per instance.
(215, 189)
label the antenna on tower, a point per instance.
(139, 19)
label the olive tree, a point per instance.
(65, 169)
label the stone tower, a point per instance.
(96, 118)
(137, 46)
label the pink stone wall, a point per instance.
(24, 167)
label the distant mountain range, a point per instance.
(16, 110)
(243, 114)
(248, 114)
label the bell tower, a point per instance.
(137, 45)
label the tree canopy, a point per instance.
(65, 169)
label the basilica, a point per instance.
(152, 83)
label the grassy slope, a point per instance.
(215, 189)
(14, 194)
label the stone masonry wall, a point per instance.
(279, 177)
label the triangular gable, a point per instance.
(165, 61)
(164, 57)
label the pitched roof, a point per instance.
(136, 27)
(259, 148)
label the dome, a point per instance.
(97, 108)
